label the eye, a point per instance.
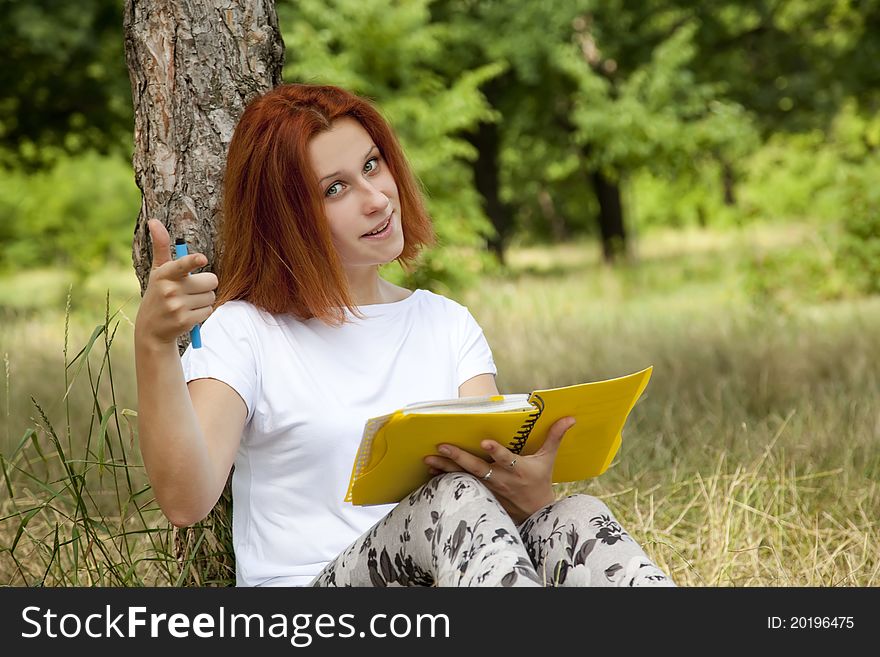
(371, 165)
(330, 190)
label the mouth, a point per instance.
(382, 229)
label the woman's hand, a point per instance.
(522, 484)
(174, 301)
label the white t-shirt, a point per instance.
(309, 388)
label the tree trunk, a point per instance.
(486, 168)
(487, 177)
(611, 225)
(558, 227)
(728, 180)
(193, 65)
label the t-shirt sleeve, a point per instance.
(474, 355)
(227, 353)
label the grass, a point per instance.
(752, 460)
(79, 510)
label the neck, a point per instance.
(366, 286)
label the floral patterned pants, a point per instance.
(453, 532)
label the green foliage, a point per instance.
(63, 83)
(790, 62)
(445, 270)
(540, 173)
(78, 501)
(782, 281)
(692, 198)
(78, 214)
(598, 86)
(832, 179)
(706, 114)
(386, 51)
(659, 117)
(790, 177)
(859, 252)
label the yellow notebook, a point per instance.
(389, 464)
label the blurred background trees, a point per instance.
(63, 82)
(527, 122)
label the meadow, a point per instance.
(752, 459)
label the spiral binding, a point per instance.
(519, 439)
(370, 430)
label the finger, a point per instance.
(198, 283)
(199, 315)
(199, 301)
(555, 435)
(182, 267)
(469, 463)
(498, 452)
(441, 464)
(160, 241)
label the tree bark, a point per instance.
(193, 65)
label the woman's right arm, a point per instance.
(188, 434)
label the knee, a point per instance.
(582, 506)
(458, 481)
(458, 486)
(591, 515)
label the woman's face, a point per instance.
(360, 195)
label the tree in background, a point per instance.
(807, 71)
(592, 93)
(62, 83)
(63, 94)
(518, 146)
(193, 68)
(793, 64)
(389, 52)
(527, 120)
(640, 106)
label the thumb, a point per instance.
(554, 436)
(161, 242)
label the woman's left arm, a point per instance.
(522, 484)
(478, 386)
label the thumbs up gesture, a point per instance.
(174, 301)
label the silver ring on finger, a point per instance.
(487, 476)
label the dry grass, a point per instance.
(756, 524)
(752, 460)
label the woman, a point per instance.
(304, 343)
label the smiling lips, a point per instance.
(381, 228)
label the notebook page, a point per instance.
(485, 404)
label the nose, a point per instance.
(375, 200)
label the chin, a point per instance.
(387, 260)
(392, 250)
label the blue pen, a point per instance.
(195, 334)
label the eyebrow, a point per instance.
(336, 173)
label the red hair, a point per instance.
(275, 246)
